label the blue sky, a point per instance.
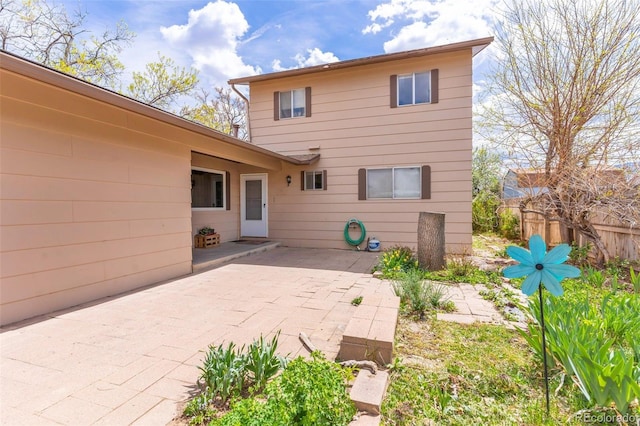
(228, 39)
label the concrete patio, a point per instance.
(131, 359)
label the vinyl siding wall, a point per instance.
(95, 198)
(355, 127)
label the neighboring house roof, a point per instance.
(476, 46)
(73, 84)
(520, 182)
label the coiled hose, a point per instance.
(347, 237)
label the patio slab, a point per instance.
(131, 359)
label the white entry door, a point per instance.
(253, 205)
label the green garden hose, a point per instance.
(363, 232)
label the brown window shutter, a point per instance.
(324, 180)
(426, 182)
(393, 84)
(307, 101)
(276, 106)
(302, 180)
(227, 190)
(434, 86)
(362, 184)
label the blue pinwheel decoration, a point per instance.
(540, 266)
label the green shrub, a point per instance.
(509, 225)
(483, 210)
(594, 344)
(420, 294)
(308, 392)
(396, 260)
(262, 362)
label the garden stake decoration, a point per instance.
(541, 267)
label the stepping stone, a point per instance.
(368, 390)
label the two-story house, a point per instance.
(393, 133)
(101, 194)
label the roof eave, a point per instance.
(476, 45)
(25, 67)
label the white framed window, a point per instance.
(411, 182)
(208, 189)
(414, 88)
(292, 103)
(314, 180)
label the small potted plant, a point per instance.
(206, 231)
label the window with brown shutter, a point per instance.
(413, 182)
(292, 104)
(414, 88)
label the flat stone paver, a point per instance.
(471, 307)
(131, 359)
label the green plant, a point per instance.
(483, 212)
(262, 362)
(308, 392)
(396, 260)
(635, 280)
(579, 254)
(591, 343)
(206, 231)
(509, 225)
(223, 371)
(199, 410)
(594, 277)
(356, 301)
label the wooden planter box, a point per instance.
(206, 241)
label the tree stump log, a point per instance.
(431, 243)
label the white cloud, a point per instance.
(211, 37)
(315, 57)
(416, 24)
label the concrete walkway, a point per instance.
(132, 359)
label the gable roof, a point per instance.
(39, 72)
(475, 45)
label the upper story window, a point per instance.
(292, 103)
(415, 88)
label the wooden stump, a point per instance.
(431, 248)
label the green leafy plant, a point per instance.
(635, 280)
(592, 343)
(206, 231)
(262, 362)
(579, 254)
(396, 260)
(223, 371)
(509, 225)
(308, 392)
(594, 277)
(199, 409)
(420, 294)
(356, 301)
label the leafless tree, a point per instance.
(222, 111)
(45, 33)
(565, 101)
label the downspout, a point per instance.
(246, 102)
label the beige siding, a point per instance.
(95, 198)
(225, 222)
(354, 127)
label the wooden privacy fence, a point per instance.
(621, 241)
